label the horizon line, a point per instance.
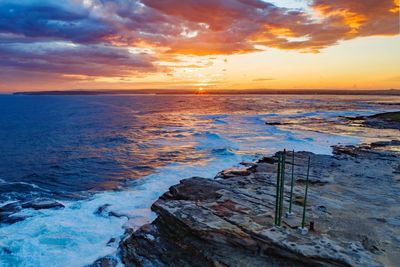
(392, 91)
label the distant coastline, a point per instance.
(213, 92)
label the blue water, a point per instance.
(125, 151)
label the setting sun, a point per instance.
(200, 91)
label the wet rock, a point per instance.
(247, 164)
(356, 118)
(382, 220)
(11, 218)
(386, 143)
(387, 116)
(107, 261)
(112, 242)
(230, 221)
(9, 212)
(387, 120)
(345, 150)
(5, 250)
(269, 160)
(39, 204)
(232, 172)
(103, 210)
(273, 123)
(10, 208)
(117, 214)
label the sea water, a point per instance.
(126, 150)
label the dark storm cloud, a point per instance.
(52, 19)
(61, 58)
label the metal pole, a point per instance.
(291, 185)
(282, 187)
(277, 189)
(303, 222)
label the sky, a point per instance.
(192, 44)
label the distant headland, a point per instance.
(213, 92)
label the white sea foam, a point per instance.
(75, 236)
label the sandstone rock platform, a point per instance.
(353, 204)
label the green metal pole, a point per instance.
(282, 187)
(291, 185)
(303, 222)
(277, 189)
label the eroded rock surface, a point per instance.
(354, 205)
(387, 120)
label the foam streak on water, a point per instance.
(127, 151)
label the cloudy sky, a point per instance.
(225, 44)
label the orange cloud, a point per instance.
(363, 18)
(236, 26)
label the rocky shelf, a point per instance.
(353, 206)
(387, 120)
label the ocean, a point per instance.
(126, 150)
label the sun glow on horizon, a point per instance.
(200, 91)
